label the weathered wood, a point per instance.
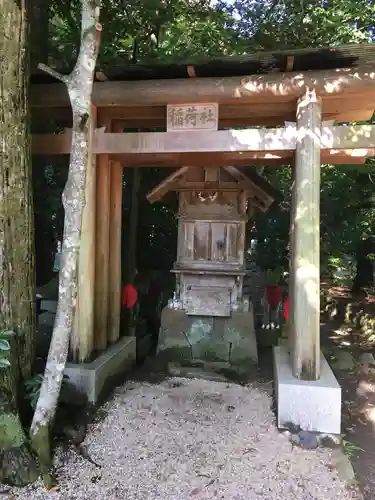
(208, 301)
(290, 323)
(283, 158)
(333, 106)
(114, 308)
(257, 193)
(177, 181)
(273, 120)
(192, 116)
(164, 186)
(82, 338)
(103, 214)
(133, 226)
(203, 186)
(210, 253)
(334, 139)
(340, 109)
(253, 88)
(306, 242)
(211, 174)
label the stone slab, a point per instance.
(92, 377)
(208, 338)
(312, 405)
(239, 331)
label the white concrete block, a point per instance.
(313, 405)
(91, 377)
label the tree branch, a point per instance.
(53, 73)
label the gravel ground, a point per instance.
(185, 439)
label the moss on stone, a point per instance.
(11, 431)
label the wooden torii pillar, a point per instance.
(82, 341)
(108, 249)
(305, 242)
(97, 317)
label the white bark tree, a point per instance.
(79, 85)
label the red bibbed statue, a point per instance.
(272, 302)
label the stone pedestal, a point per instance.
(207, 338)
(93, 377)
(313, 405)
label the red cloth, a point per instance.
(129, 296)
(286, 309)
(274, 294)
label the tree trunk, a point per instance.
(79, 84)
(17, 280)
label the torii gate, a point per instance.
(297, 105)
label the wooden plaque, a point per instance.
(188, 117)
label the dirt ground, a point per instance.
(358, 386)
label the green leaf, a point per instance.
(4, 345)
(7, 334)
(4, 363)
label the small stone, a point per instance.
(74, 434)
(295, 439)
(292, 428)
(286, 434)
(308, 440)
(173, 384)
(230, 408)
(343, 360)
(331, 441)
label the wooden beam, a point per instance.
(290, 323)
(235, 159)
(159, 123)
(191, 71)
(203, 186)
(252, 188)
(133, 227)
(273, 120)
(82, 341)
(211, 174)
(253, 88)
(333, 138)
(337, 108)
(165, 185)
(114, 310)
(306, 242)
(289, 63)
(253, 111)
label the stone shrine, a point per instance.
(210, 318)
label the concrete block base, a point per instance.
(208, 338)
(312, 405)
(92, 377)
